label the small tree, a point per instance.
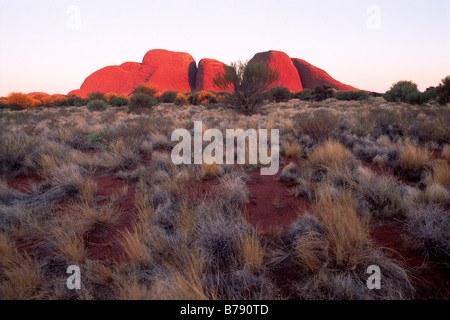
(249, 81)
(443, 91)
(400, 91)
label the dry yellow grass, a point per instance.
(293, 149)
(331, 155)
(413, 158)
(251, 251)
(210, 171)
(346, 234)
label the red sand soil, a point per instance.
(24, 183)
(104, 242)
(429, 278)
(271, 207)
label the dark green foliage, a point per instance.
(249, 81)
(400, 90)
(97, 105)
(75, 101)
(97, 95)
(3, 105)
(443, 91)
(168, 97)
(141, 101)
(118, 101)
(279, 94)
(352, 95)
(417, 98)
(304, 95)
(323, 92)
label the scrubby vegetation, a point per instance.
(364, 181)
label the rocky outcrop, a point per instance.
(313, 77)
(280, 61)
(168, 70)
(207, 70)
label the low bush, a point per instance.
(181, 99)
(279, 94)
(118, 101)
(352, 95)
(140, 102)
(168, 97)
(145, 89)
(304, 95)
(323, 92)
(97, 105)
(97, 95)
(75, 101)
(19, 100)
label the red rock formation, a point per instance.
(280, 61)
(313, 77)
(207, 70)
(166, 69)
(170, 70)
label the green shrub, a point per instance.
(97, 105)
(168, 97)
(118, 101)
(141, 101)
(352, 95)
(443, 91)
(3, 105)
(279, 94)
(400, 90)
(304, 95)
(417, 98)
(323, 92)
(97, 95)
(75, 101)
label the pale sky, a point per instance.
(53, 45)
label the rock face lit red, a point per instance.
(281, 62)
(207, 70)
(313, 77)
(168, 70)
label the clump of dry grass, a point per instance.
(21, 276)
(413, 159)
(379, 195)
(210, 171)
(293, 150)
(332, 155)
(334, 250)
(428, 228)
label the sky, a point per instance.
(53, 45)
